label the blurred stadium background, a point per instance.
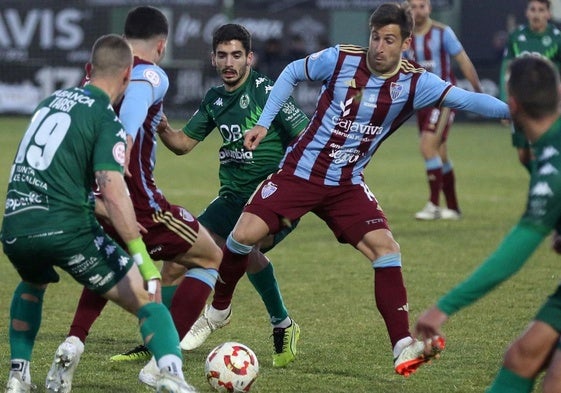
(45, 43)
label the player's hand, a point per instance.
(163, 125)
(141, 228)
(429, 324)
(254, 136)
(154, 288)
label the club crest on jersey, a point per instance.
(268, 189)
(152, 77)
(244, 101)
(119, 153)
(395, 90)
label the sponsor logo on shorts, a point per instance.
(268, 189)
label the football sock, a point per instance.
(267, 286)
(25, 319)
(449, 186)
(190, 297)
(218, 315)
(234, 263)
(391, 296)
(434, 175)
(507, 381)
(167, 294)
(173, 364)
(89, 307)
(158, 332)
(21, 366)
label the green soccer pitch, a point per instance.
(327, 286)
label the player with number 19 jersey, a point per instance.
(235, 112)
(47, 196)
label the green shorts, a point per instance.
(519, 140)
(221, 216)
(90, 256)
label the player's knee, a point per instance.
(523, 359)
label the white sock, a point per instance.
(172, 364)
(400, 345)
(218, 315)
(21, 366)
(284, 323)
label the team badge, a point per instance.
(546, 40)
(119, 153)
(268, 189)
(152, 77)
(395, 90)
(244, 101)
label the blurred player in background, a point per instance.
(537, 37)
(533, 96)
(75, 140)
(367, 94)
(434, 45)
(232, 109)
(173, 233)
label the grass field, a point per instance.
(328, 286)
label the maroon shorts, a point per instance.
(350, 211)
(171, 232)
(436, 120)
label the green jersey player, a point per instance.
(76, 140)
(537, 37)
(231, 109)
(534, 100)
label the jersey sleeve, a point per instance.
(430, 90)
(200, 124)
(148, 86)
(109, 151)
(291, 119)
(451, 43)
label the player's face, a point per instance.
(232, 63)
(385, 48)
(421, 10)
(538, 16)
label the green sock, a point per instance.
(167, 295)
(266, 285)
(26, 308)
(507, 381)
(158, 331)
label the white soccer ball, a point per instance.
(231, 367)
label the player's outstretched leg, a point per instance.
(208, 322)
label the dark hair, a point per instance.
(110, 53)
(393, 13)
(546, 2)
(229, 32)
(145, 22)
(534, 82)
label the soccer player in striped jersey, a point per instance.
(533, 96)
(367, 94)
(173, 233)
(537, 37)
(434, 45)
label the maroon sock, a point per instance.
(188, 303)
(449, 189)
(231, 270)
(89, 308)
(391, 300)
(434, 177)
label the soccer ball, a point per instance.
(231, 367)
